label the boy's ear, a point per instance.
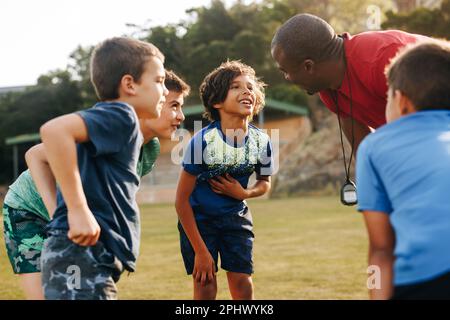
(308, 64)
(127, 85)
(217, 106)
(404, 103)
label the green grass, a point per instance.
(305, 248)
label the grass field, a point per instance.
(305, 248)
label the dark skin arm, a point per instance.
(229, 186)
(381, 251)
(361, 131)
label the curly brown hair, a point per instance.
(215, 86)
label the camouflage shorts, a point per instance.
(73, 272)
(24, 237)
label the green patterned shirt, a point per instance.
(23, 195)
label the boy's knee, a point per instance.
(241, 285)
(206, 291)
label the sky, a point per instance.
(37, 36)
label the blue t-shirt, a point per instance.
(403, 169)
(209, 155)
(107, 164)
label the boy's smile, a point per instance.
(247, 102)
(169, 120)
(240, 100)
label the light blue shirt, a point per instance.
(403, 169)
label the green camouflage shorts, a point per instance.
(24, 237)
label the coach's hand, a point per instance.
(83, 228)
(228, 186)
(204, 268)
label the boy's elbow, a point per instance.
(265, 185)
(31, 153)
(268, 187)
(378, 250)
(179, 203)
(47, 130)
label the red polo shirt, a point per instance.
(367, 55)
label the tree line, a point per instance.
(207, 36)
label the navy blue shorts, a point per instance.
(230, 236)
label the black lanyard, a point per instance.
(348, 191)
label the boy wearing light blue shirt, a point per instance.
(403, 178)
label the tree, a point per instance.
(430, 22)
(56, 93)
(79, 66)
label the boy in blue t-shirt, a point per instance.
(213, 216)
(26, 214)
(403, 176)
(93, 155)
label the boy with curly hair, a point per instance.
(214, 218)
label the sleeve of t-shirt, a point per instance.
(265, 165)
(371, 192)
(149, 153)
(193, 155)
(109, 128)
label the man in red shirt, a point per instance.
(347, 71)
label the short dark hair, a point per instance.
(422, 73)
(305, 36)
(216, 84)
(175, 83)
(116, 57)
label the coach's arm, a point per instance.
(360, 130)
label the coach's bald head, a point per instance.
(300, 45)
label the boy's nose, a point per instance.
(165, 91)
(181, 116)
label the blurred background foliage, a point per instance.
(195, 45)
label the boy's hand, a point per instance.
(204, 268)
(83, 228)
(228, 186)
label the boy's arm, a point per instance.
(381, 251)
(60, 137)
(42, 176)
(204, 267)
(231, 187)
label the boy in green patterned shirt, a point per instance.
(26, 213)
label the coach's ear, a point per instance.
(404, 103)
